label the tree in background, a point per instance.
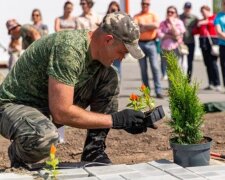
(216, 6)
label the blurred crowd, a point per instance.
(174, 34)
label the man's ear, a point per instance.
(109, 39)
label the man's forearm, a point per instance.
(80, 118)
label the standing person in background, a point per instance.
(88, 19)
(220, 28)
(190, 22)
(36, 17)
(148, 23)
(206, 28)
(28, 32)
(67, 20)
(115, 7)
(14, 50)
(170, 32)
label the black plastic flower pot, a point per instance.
(191, 155)
(154, 115)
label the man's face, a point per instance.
(187, 10)
(112, 51)
(68, 8)
(84, 5)
(145, 5)
(15, 32)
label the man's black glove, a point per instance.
(130, 120)
(136, 130)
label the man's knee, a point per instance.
(34, 146)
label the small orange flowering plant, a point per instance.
(53, 162)
(143, 101)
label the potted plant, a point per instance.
(144, 102)
(190, 147)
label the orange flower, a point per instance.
(53, 149)
(133, 97)
(143, 87)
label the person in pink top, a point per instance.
(170, 33)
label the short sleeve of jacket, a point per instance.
(64, 64)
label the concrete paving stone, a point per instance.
(179, 171)
(110, 177)
(68, 173)
(209, 174)
(72, 173)
(144, 167)
(151, 175)
(187, 176)
(13, 176)
(87, 178)
(133, 175)
(164, 164)
(106, 170)
(213, 168)
(216, 178)
(167, 177)
(183, 173)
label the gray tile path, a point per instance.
(155, 170)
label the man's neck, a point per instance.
(187, 14)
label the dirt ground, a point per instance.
(126, 148)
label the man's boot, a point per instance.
(15, 162)
(94, 147)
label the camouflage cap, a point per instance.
(123, 27)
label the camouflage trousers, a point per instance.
(32, 131)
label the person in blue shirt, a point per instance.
(220, 28)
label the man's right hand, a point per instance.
(129, 119)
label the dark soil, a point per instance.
(128, 149)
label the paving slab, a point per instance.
(151, 175)
(209, 172)
(110, 177)
(143, 167)
(106, 170)
(13, 176)
(167, 177)
(67, 173)
(164, 164)
(183, 173)
(87, 178)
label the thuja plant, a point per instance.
(142, 101)
(186, 109)
(52, 163)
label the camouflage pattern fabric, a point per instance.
(24, 115)
(101, 93)
(63, 56)
(123, 27)
(31, 129)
